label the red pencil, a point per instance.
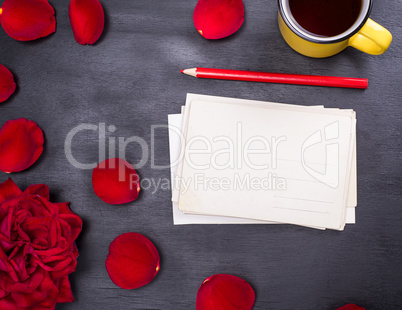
(254, 76)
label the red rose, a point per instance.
(37, 249)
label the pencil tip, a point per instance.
(191, 72)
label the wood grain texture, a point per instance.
(131, 79)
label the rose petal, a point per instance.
(73, 220)
(7, 303)
(115, 181)
(45, 295)
(216, 19)
(21, 144)
(75, 223)
(225, 292)
(133, 261)
(7, 84)
(26, 20)
(3, 294)
(64, 208)
(87, 20)
(52, 307)
(36, 227)
(351, 307)
(65, 293)
(69, 268)
(37, 206)
(7, 267)
(9, 190)
(17, 259)
(37, 189)
(28, 286)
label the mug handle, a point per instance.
(372, 38)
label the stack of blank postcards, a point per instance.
(237, 161)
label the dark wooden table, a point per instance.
(131, 79)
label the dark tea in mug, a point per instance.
(325, 18)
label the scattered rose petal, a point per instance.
(7, 84)
(133, 261)
(26, 20)
(21, 144)
(216, 19)
(115, 181)
(87, 20)
(225, 292)
(351, 307)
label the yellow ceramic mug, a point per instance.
(365, 34)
